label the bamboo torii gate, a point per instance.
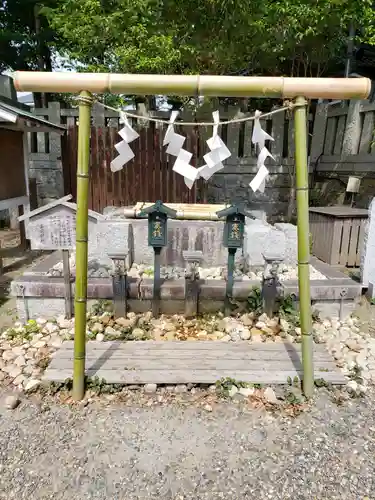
(298, 89)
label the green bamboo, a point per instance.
(80, 301)
(302, 190)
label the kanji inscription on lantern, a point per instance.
(236, 231)
(156, 233)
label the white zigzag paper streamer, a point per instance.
(219, 151)
(128, 134)
(182, 164)
(259, 138)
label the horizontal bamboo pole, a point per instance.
(225, 86)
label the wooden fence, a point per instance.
(340, 144)
(150, 176)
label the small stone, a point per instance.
(56, 341)
(362, 389)
(9, 355)
(2, 376)
(289, 338)
(99, 337)
(208, 407)
(246, 391)
(245, 334)
(105, 319)
(19, 380)
(147, 316)
(18, 350)
(40, 344)
(298, 331)
(11, 402)
(32, 384)
(169, 327)
(125, 323)
(226, 338)
(349, 322)
(20, 361)
(62, 322)
(28, 370)
(53, 328)
(274, 324)
(260, 325)
(219, 335)
(232, 391)
(247, 320)
(202, 334)
(97, 328)
(41, 321)
(353, 345)
(30, 353)
(335, 324)
(14, 371)
(270, 396)
(352, 386)
(150, 388)
(340, 363)
(111, 331)
(255, 331)
(285, 326)
(138, 333)
(268, 331)
(181, 388)
(169, 336)
(263, 317)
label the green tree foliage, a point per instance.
(295, 37)
(25, 35)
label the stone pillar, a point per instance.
(368, 249)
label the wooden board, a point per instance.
(195, 362)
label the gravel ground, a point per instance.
(108, 450)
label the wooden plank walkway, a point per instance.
(202, 362)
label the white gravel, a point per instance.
(180, 452)
(98, 269)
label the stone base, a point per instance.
(44, 295)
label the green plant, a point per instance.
(100, 386)
(224, 385)
(149, 271)
(320, 382)
(287, 310)
(254, 300)
(32, 327)
(101, 307)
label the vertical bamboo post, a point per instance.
(80, 301)
(302, 195)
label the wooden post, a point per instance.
(352, 135)
(119, 283)
(319, 133)
(1, 262)
(193, 259)
(67, 284)
(230, 281)
(156, 297)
